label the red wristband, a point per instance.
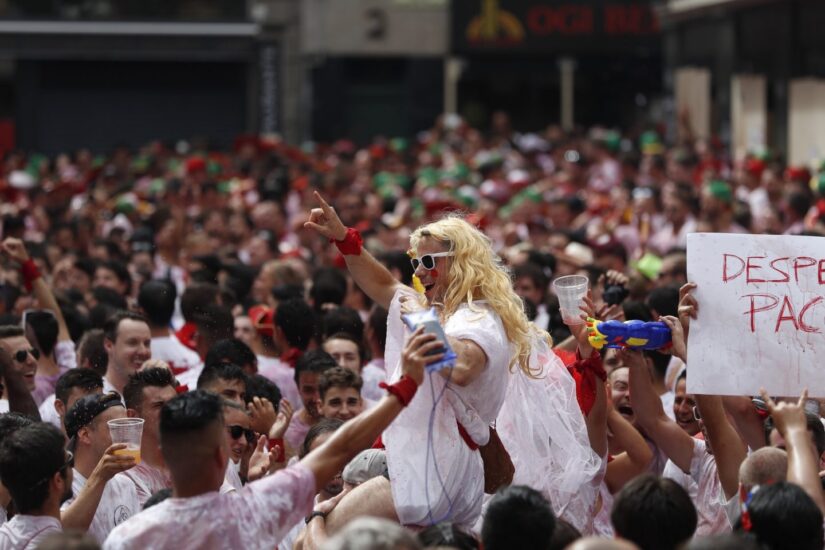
(351, 244)
(30, 273)
(404, 389)
(278, 443)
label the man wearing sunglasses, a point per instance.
(37, 471)
(239, 438)
(24, 356)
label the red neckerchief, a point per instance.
(587, 373)
(186, 335)
(291, 356)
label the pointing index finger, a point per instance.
(324, 205)
(803, 398)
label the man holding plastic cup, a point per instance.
(97, 461)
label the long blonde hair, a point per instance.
(476, 273)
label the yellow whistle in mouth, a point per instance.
(417, 284)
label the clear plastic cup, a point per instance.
(571, 289)
(128, 431)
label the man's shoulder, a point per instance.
(27, 531)
(123, 485)
(295, 481)
(140, 526)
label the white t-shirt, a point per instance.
(147, 480)
(668, 398)
(296, 432)
(190, 377)
(283, 376)
(179, 357)
(108, 387)
(705, 490)
(373, 374)
(27, 532)
(542, 319)
(257, 516)
(457, 490)
(48, 413)
(118, 503)
(233, 475)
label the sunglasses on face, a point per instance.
(428, 260)
(23, 354)
(236, 432)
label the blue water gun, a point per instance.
(628, 335)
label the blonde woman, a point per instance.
(436, 472)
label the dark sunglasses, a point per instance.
(23, 354)
(428, 260)
(236, 432)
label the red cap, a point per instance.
(755, 167)
(195, 165)
(263, 319)
(797, 173)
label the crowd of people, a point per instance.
(255, 308)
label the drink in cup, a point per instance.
(571, 289)
(127, 431)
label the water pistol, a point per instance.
(636, 335)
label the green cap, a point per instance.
(721, 190)
(648, 265)
(398, 144)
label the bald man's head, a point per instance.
(766, 465)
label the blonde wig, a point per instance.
(476, 273)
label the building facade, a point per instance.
(758, 65)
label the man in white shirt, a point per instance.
(239, 436)
(144, 395)
(292, 329)
(71, 386)
(37, 471)
(308, 371)
(692, 463)
(88, 431)
(128, 342)
(157, 301)
(259, 515)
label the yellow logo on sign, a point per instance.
(494, 25)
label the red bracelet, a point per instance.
(278, 443)
(351, 244)
(30, 273)
(404, 389)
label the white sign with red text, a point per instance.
(761, 321)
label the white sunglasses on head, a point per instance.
(428, 260)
